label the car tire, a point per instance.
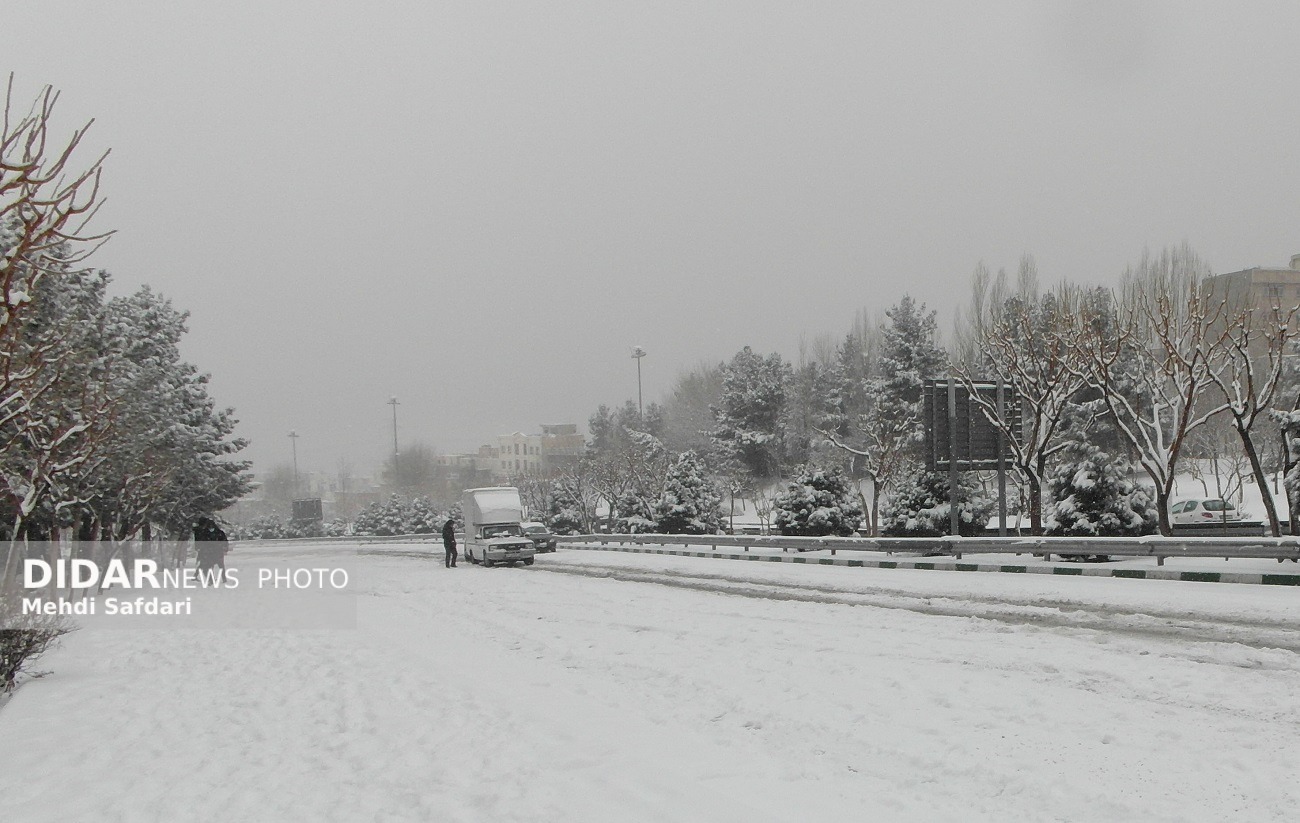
(528, 562)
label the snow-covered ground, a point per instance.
(598, 686)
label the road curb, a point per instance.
(959, 566)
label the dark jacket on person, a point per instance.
(210, 543)
(449, 534)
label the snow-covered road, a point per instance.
(598, 686)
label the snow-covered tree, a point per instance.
(629, 479)
(634, 515)
(384, 517)
(565, 513)
(1024, 339)
(818, 502)
(748, 420)
(609, 428)
(1152, 359)
(1092, 496)
(168, 456)
(885, 437)
(422, 518)
(921, 508)
(1254, 351)
(691, 503)
(813, 403)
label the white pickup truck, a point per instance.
(493, 530)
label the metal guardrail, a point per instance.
(1279, 548)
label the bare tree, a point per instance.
(887, 446)
(45, 205)
(1023, 340)
(1152, 358)
(1249, 379)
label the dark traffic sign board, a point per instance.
(977, 439)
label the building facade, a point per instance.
(1264, 289)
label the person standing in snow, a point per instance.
(210, 546)
(449, 542)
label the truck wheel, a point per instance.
(528, 562)
(487, 562)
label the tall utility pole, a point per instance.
(392, 401)
(637, 354)
(293, 438)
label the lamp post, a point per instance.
(392, 401)
(293, 438)
(637, 354)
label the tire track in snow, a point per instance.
(1037, 612)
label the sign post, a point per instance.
(1002, 461)
(954, 519)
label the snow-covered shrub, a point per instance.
(819, 502)
(397, 515)
(266, 527)
(1093, 497)
(304, 528)
(335, 528)
(31, 636)
(691, 502)
(921, 508)
(382, 517)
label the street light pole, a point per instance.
(293, 438)
(637, 354)
(392, 401)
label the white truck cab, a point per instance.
(493, 530)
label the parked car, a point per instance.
(1204, 510)
(542, 539)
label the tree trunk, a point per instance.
(1162, 508)
(1035, 504)
(1288, 463)
(1270, 508)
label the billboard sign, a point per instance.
(976, 440)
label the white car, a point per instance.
(1204, 510)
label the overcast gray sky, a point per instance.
(479, 207)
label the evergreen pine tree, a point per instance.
(1094, 497)
(921, 508)
(818, 502)
(748, 422)
(422, 518)
(691, 503)
(564, 515)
